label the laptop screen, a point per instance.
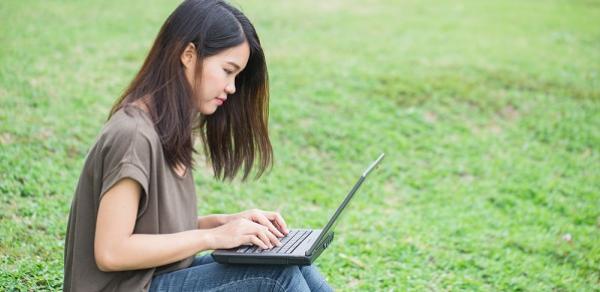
(341, 208)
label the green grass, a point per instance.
(488, 111)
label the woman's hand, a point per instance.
(272, 220)
(242, 231)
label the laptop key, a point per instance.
(251, 249)
(288, 244)
(289, 236)
(297, 242)
(304, 236)
(275, 250)
(243, 248)
(284, 242)
(293, 242)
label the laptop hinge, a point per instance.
(321, 246)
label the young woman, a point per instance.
(133, 224)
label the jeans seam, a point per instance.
(277, 284)
(320, 286)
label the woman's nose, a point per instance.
(230, 89)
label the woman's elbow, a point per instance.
(106, 261)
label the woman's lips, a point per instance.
(219, 101)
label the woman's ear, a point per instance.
(188, 57)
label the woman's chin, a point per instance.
(208, 110)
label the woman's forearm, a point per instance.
(213, 220)
(141, 251)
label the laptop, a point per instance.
(299, 246)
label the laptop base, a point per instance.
(298, 257)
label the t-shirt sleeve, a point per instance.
(126, 153)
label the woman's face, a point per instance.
(218, 76)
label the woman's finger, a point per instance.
(261, 232)
(263, 220)
(273, 240)
(253, 239)
(276, 217)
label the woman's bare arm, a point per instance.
(116, 248)
(213, 220)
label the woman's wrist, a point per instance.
(214, 220)
(205, 239)
(224, 218)
(230, 217)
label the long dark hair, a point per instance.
(238, 131)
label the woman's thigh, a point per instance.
(207, 275)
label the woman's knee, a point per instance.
(291, 271)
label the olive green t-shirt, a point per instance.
(127, 147)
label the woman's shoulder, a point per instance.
(128, 132)
(127, 135)
(127, 124)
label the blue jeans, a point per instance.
(207, 275)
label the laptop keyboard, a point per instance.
(288, 244)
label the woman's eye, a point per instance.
(228, 71)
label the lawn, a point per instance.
(488, 112)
